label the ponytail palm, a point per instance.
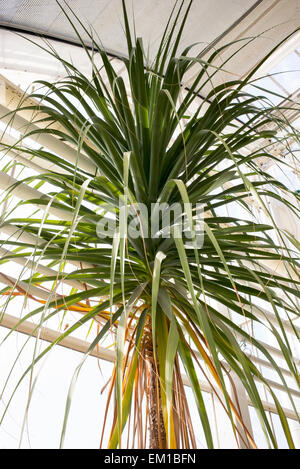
(173, 305)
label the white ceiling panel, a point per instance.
(211, 22)
(208, 18)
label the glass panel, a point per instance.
(46, 411)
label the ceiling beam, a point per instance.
(14, 120)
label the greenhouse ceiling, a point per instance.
(211, 23)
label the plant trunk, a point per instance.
(157, 437)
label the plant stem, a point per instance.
(157, 438)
